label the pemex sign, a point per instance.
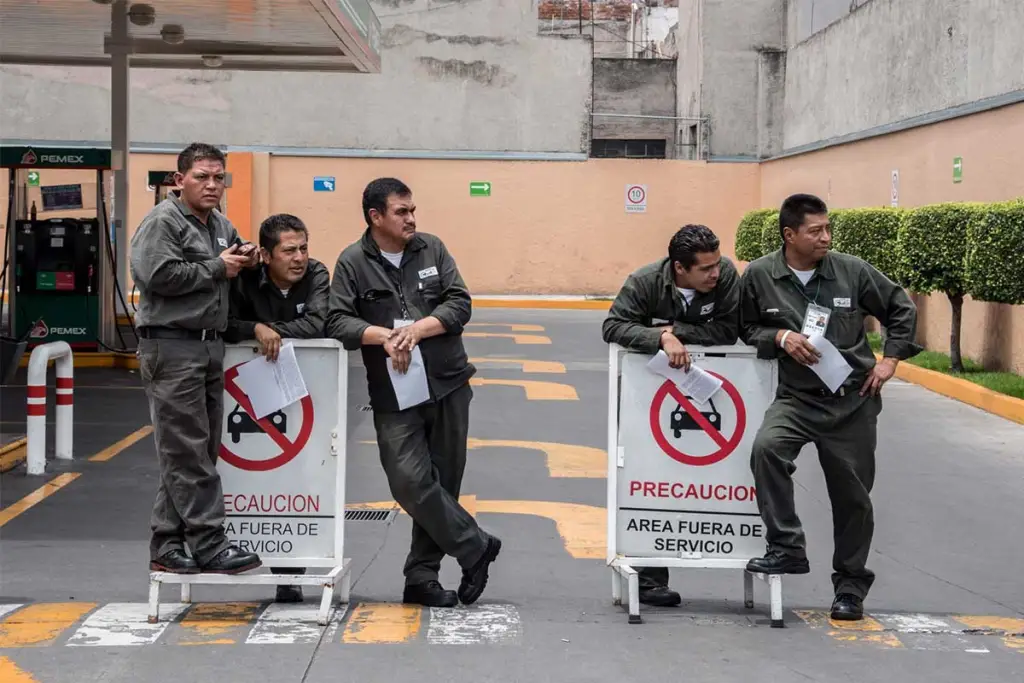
(54, 157)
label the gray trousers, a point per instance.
(184, 382)
(423, 452)
(844, 430)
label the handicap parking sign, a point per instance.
(323, 184)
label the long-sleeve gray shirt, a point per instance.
(649, 294)
(175, 263)
(773, 299)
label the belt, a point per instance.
(178, 333)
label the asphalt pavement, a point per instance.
(947, 605)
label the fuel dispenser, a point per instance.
(58, 260)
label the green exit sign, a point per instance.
(33, 178)
(958, 169)
(480, 189)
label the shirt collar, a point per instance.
(781, 269)
(183, 208)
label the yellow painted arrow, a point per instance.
(535, 391)
(519, 338)
(564, 460)
(548, 366)
(515, 327)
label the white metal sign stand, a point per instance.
(680, 490)
(284, 479)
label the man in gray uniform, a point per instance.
(286, 298)
(788, 299)
(690, 297)
(183, 257)
(397, 295)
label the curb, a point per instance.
(1004, 406)
(13, 454)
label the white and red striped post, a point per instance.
(36, 410)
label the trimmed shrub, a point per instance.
(771, 240)
(995, 247)
(870, 234)
(748, 235)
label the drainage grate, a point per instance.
(364, 409)
(369, 515)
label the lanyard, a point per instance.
(800, 288)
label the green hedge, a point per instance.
(869, 234)
(771, 239)
(748, 234)
(995, 248)
(932, 246)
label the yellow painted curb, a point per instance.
(1009, 407)
(565, 304)
(91, 359)
(13, 454)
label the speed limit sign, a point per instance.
(636, 198)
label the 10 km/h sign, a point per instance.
(636, 198)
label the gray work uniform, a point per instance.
(183, 310)
(649, 301)
(841, 425)
(422, 448)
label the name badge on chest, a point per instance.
(815, 320)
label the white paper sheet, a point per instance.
(832, 368)
(697, 383)
(272, 385)
(411, 389)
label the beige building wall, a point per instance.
(859, 174)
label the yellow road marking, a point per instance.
(39, 625)
(110, 451)
(868, 629)
(10, 673)
(213, 623)
(13, 455)
(519, 338)
(549, 366)
(469, 503)
(1014, 643)
(37, 496)
(1011, 626)
(382, 623)
(515, 327)
(582, 527)
(564, 460)
(535, 391)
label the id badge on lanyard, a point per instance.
(815, 320)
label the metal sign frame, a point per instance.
(625, 580)
(339, 576)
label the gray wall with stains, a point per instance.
(465, 75)
(629, 87)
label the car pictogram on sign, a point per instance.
(682, 420)
(240, 423)
(722, 433)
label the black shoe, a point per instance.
(175, 562)
(847, 607)
(429, 594)
(288, 594)
(778, 562)
(660, 596)
(474, 579)
(231, 560)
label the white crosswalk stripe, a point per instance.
(474, 625)
(7, 609)
(293, 625)
(124, 624)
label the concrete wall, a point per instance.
(894, 59)
(465, 76)
(858, 174)
(807, 17)
(636, 86)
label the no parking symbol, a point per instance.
(698, 436)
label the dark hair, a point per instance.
(376, 194)
(689, 241)
(273, 226)
(198, 151)
(795, 209)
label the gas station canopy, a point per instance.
(279, 35)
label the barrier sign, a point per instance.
(283, 475)
(684, 488)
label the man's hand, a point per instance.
(406, 338)
(879, 375)
(678, 357)
(269, 340)
(799, 348)
(399, 358)
(251, 253)
(233, 262)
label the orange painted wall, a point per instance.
(859, 174)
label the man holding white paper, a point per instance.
(689, 297)
(805, 306)
(397, 295)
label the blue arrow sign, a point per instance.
(323, 184)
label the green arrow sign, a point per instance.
(958, 169)
(33, 179)
(480, 189)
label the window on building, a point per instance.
(627, 149)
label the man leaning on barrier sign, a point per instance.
(806, 307)
(689, 297)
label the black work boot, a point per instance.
(778, 562)
(429, 594)
(847, 607)
(474, 579)
(175, 562)
(288, 594)
(659, 596)
(231, 560)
